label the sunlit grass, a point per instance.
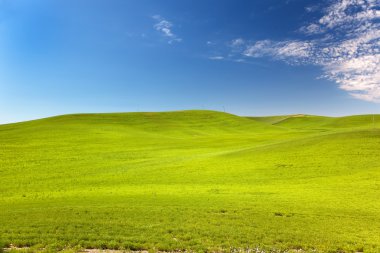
(197, 180)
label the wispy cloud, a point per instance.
(237, 42)
(312, 8)
(293, 52)
(165, 28)
(344, 41)
(216, 58)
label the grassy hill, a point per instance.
(198, 180)
(301, 121)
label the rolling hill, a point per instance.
(191, 180)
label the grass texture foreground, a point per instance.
(191, 180)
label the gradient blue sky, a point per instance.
(250, 57)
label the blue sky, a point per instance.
(250, 57)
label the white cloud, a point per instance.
(216, 58)
(345, 43)
(311, 29)
(312, 8)
(349, 13)
(295, 49)
(237, 42)
(259, 49)
(294, 52)
(165, 28)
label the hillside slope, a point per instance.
(186, 122)
(198, 180)
(301, 121)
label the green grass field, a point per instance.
(195, 180)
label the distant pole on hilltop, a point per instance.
(224, 109)
(373, 121)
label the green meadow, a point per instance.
(201, 181)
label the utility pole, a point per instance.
(373, 120)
